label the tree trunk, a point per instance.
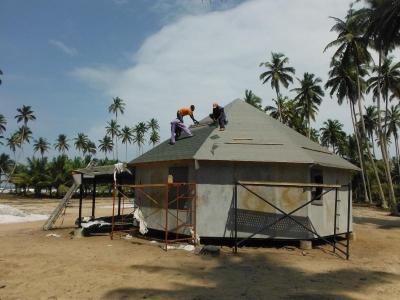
(309, 127)
(364, 135)
(360, 156)
(382, 139)
(277, 104)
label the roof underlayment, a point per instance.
(250, 136)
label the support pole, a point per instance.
(94, 197)
(80, 202)
(348, 222)
(119, 195)
(166, 215)
(235, 209)
(335, 220)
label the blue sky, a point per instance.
(68, 59)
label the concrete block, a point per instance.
(305, 245)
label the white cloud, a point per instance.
(215, 57)
(64, 48)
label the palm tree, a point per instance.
(352, 49)
(90, 148)
(342, 82)
(309, 97)
(112, 129)
(126, 138)
(332, 134)
(287, 109)
(371, 123)
(153, 124)
(61, 144)
(106, 145)
(41, 145)
(25, 114)
(389, 79)
(13, 142)
(3, 123)
(118, 105)
(277, 74)
(393, 126)
(252, 99)
(81, 142)
(139, 135)
(382, 28)
(6, 164)
(154, 138)
(24, 134)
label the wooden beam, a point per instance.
(288, 184)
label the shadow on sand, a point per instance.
(381, 223)
(246, 276)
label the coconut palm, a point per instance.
(113, 129)
(154, 138)
(139, 135)
(393, 126)
(25, 114)
(118, 105)
(309, 97)
(24, 134)
(153, 125)
(13, 142)
(106, 145)
(90, 148)
(6, 164)
(41, 145)
(3, 123)
(388, 75)
(351, 47)
(287, 109)
(332, 134)
(126, 136)
(277, 73)
(252, 99)
(371, 123)
(80, 142)
(61, 144)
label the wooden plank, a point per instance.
(288, 184)
(143, 185)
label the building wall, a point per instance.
(215, 190)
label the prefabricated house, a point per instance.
(255, 172)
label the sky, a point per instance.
(68, 59)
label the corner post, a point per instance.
(235, 208)
(348, 222)
(94, 197)
(335, 220)
(80, 202)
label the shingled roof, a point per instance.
(250, 136)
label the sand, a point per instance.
(33, 266)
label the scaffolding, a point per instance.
(176, 201)
(324, 188)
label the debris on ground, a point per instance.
(180, 247)
(53, 235)
(128, 237)
(210, 250)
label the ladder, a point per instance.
(58, 210)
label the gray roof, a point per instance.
(251, 136)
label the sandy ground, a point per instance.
(33, 266)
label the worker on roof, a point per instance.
(218, 115)
(186, 111)
(176, 127)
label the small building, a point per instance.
(256, 156)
